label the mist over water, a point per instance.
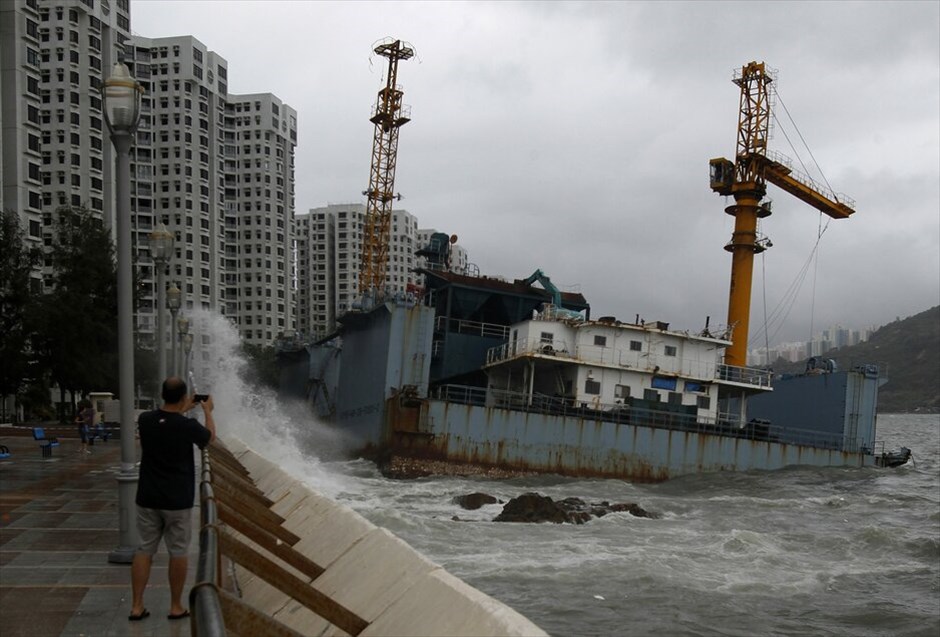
(799, 551)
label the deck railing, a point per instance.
(628, 359)
(643, 416)
(460, 326)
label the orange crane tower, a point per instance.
(745, 179)
(388, 115)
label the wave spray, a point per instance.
(284, 431)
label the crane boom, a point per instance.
(745, 179)
(784, 178)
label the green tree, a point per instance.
(77, 318)
(17, 261)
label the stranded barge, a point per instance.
(479, 372)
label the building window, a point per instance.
(592, 387)
(636, 346)
(663, 382)
(669, 350)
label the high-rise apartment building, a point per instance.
(216, 168)
(329, 246)
(56, 151)
(221, 177)
(266, 133)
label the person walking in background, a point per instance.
(166, 490)
(85, 421)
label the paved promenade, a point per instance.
(58, 522)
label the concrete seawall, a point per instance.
(368, 570)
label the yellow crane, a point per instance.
(388, 115)
(745, 180)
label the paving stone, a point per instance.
(58, 523)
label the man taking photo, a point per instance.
(166, 490)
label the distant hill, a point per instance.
(908, 353)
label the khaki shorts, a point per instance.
(175, 527)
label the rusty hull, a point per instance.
(474, 439)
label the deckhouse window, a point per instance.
(546, 337)
(651, 394)
(670, 350)
(704, 402)
(592, 387)
(621, 391)
(636, 346)
(600, 341)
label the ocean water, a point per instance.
(800, 551)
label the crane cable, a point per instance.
(781, 311)
(789, 297)
(820, 229)
(805, 145)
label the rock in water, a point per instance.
(533, 507)
(473, 501)
(633, 509)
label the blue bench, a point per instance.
(4, 451)
(99, 432)
(45, 444)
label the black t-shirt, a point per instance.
(167, 469)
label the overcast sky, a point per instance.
(575, 138)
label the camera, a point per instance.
(200, 398)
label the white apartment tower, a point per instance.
(266, 130)
(54, 55)
(329, 246)
(221, 171)
(218, 169)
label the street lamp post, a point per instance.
(173, 302)
(161, 249)
(187, 350)
(183, 327)
(122, 112)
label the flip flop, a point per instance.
(182, 615)
(136, 618)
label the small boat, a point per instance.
(895, 457)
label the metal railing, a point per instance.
(725, 424)
(206, 611)
(239, 526)
(460, 326)
(629, 359)
(745, 375)
(808, 181)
